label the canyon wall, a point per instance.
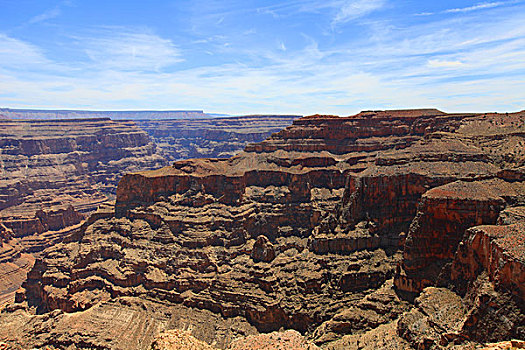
(354, 231)
(211, 137)
(53, 172)
(56, 172)
(53, 164)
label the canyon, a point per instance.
(222, 137)
(387, 229)
(55, 173)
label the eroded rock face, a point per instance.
(436, 320)
(499, 250)
(123, 323)
(304, 231)
(444, 214)
(55, 171)
(178, 339)
(45, 163)
(211, 137)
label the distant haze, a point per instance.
(73, 114)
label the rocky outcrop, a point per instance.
(444, 214)
(263, 250)
(485, 265)
(498, 250)
(442, 318)
(304, 231)
(436, 320)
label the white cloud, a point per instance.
(444, 64)
(130, 50)
(480, 6)
(485, 5)
(17, 53)
(342, 11)
(352, 9)
(49, 14)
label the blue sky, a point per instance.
(240, 57)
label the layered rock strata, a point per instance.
(444, 214)
(211, 137)
(60, 162)
(55, 171)
(305, 231)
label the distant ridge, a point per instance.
(11, 113)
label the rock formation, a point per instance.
(211, 137)
(56, 172)
(387, 229)
(45, 163)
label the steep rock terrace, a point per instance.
(72, 159)
(305, 230)
(54, 171)
(211, 137)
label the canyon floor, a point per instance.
(383, 230)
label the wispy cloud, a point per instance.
(267, 11)
(124, 49)
(481, 6)
(352, 9)
(49, 14)
(338, 11)
(16, 53)
(444, 64)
